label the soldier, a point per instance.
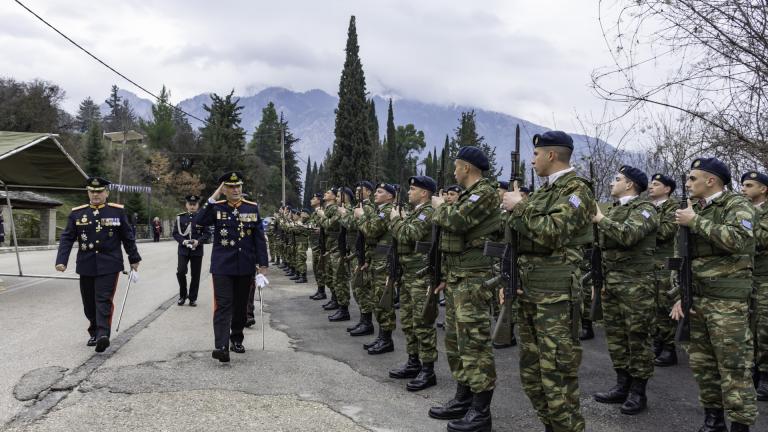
(329, 220)
(190, 250)
(466, 225)
(361, 287)
(452, 193)
(271, 239)
(723, 245)
(98, 227)
(659, 191)
(628, 240)
(315, 239)
(374, 228)
(290, 246)
(420, 336)
(301, 233)
(754, 186)
(553, 226)
(339, 258)
(239, 251)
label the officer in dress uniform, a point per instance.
(239, 250)
(190, 239)
(99, 228)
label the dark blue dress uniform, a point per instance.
(184, 229)
(239, 246)
(98, 231)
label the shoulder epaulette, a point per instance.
(221, 201)
(250, 202)
(115, 205)
(181, 214)
(79, 207)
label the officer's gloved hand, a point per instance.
(135, 276)
(261, 281)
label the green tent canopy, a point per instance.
(37, 160)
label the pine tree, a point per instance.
(351, 146)
(94, 152)
(87, 113)
(410, 143)
(223, 139)
(161, 129)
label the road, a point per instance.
(158, 375)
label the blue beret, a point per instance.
(366, 184)
(334, 191)
(714, 166)
(756, 176)
(97, 183)
(388, 187)
(454, 188)
(318, 195)
(665, 180)
(231, 178)
(503, 184)
(424, 182)
(553, 139)
(349, 193)
(475, 156)
(636, 176)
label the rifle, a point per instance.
(595, 254)
(393, 264)
(682, 264)
(357, 280)
(502, 332)
(343, 246)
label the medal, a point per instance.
(224, 242)
(223, 232)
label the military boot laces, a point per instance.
(478, 417)
(425, 379)
(714, 420)
(456, 407)
(762, 387)
(739, 427)
(617, 393)
(409, 369)
(637, 401)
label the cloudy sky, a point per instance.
(531, 59)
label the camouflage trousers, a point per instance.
(420, 336)
(664, 325)
(340, 278)
(317, 268)
(549, 364)
(628, 314)
(721, 357)
(468, 331)
(301, 255)
(761, 336)
(378, 271)
(329, 271)
(363, 291)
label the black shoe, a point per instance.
(425, 379)
(714, 420)
(237, 347)
(221, 354)
(295, 277)
(355, 325)
(384, 345)
(617, 393)
(478, 418)
(667, 357)
(302, 278)
(193, 303)
(511, 343)
(587, 332)
(181, 301)
(319, 295)
(102, 343)
(409, 369)
(332, 305)
(637, 401)
(250, 323)
(341, 315)
(762, 387)
(456, 407)
(365, 327)
(739, 427)
(91, 341)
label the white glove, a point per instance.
(135, 276)
(261, 280)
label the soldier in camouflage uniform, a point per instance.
(362, 289)
(466, 225)
(659, 191)
(314, 236)
(301, 235)
(340, 259)
(553, 227)
(420, 336)
(754, 186)
(628, 240)
(271, 240)
(375, 229)
(722, 246)
(329, 220)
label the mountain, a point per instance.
(311, 117)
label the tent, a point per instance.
(33, 160)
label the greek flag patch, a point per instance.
(474, 197)
(645, 214)
(422, 217)
(381, 215)
(746, 224)
(574, 201)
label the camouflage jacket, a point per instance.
(374, 227)
(761, 241)
(330, 223)
(415, 226)
(628, 236)
(313, 224)
(665, 234)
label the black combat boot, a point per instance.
(366, 325)
(667, 357)
(319, 294)
(409, 369)
(355, 325)
(341, 315)
(637, 401)
(587, 332)
(478, 418)
(303, 278)
(619, 392)
(762, 387)
(384, 345)
(290, 272)
(373, 343)
(456, 407)
(331, 301)
(425, 379)
(739, 427)
(331, 305)
(296, 276)
(714, 420)
(221, 354)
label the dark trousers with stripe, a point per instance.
(195, 263)
(98, 293)
(230, 296)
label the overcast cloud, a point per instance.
(531, 59)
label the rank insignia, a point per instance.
(224, 232)
(84, 236)
(83, 246)
(224, 242)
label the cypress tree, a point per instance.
(94, 152)
(391, 158)
(307, 183)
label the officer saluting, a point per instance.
(239, 247)
(99, 228)
(190, 239)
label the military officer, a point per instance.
(362, 288)
(99, 228)
(239, 251)
(315, 239)
(466, 225)
(721, 227)
(659, 192)
(628, 240)
(553, 227)
(190, 250)
(754, 186)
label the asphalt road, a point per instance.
(158, 375)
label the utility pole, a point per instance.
(122, 157)
(282, 152)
